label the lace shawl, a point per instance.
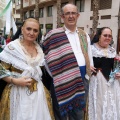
(97, 52)
(14, 55)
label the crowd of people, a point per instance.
(4, 40)
(65, 78)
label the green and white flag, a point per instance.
(10, 23)
(5, 9)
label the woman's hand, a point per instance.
(117, 75)
(23, 81)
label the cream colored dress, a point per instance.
(104, 98)
(25, 103)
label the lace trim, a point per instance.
(108, 52)
(14, 55)
(104, 100)
(33, 61)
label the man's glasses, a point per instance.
(107, 35)
(70, 13)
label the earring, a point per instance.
(21, 36)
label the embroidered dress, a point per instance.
(23, 103)
(104, 99)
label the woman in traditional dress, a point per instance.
(24, 97)
(104, 94)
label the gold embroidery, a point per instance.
(5, 99)
(5, 104)
(49, 102)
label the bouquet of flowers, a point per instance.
(116, 68)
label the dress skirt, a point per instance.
(104, 98)
(17, 103)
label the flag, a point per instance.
(14, 26)
(5, 9)
(10, 23)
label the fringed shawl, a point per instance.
(69, 87)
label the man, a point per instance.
(68, 56)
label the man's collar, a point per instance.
(67, 31)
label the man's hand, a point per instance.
(93, 69)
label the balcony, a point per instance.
(16, 15)
(44, 1)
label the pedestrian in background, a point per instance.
(2, 43)
(68, 57)
(8, 40)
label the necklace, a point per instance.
(30, 49)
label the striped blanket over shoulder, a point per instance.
(68, 84)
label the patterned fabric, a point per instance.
(68, 84)
(84, 47)
(103, 59)
(5, 103)
(108, 52)
(22, 99)
(104, 98)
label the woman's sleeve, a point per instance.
(4, 69)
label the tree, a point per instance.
(37, 9)
(95, 7)
(37, 17)
(58, 13)
(21, 10)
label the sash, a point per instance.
(84, 47)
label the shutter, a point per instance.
(105, 4)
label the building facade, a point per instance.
(108, 15)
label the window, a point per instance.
(63, 4)
(49, 11)
(49, 27)
(106, 17)
(17, 2)
(32, 13)
(25, 15)
(13, 1)
(41, 26)
(80, 4)
(103, 4)
(41, 12)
